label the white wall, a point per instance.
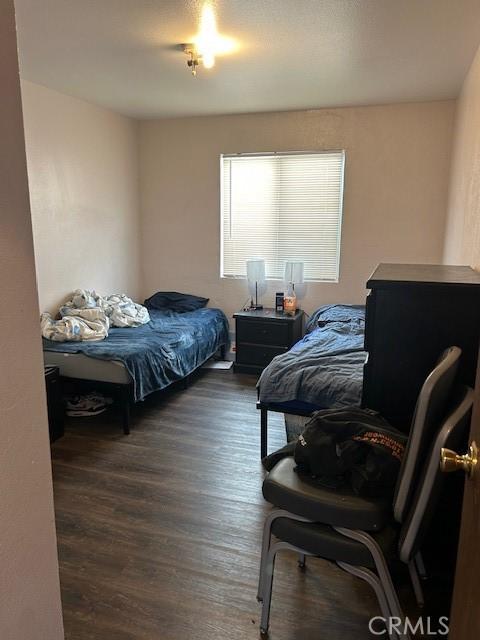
(30, 606)
(396, 180)
(462, 237)
(83, 174)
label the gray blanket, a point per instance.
(325, 368)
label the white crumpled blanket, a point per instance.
(80, 324)
(119, 308)
(88, 316)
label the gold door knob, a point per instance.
(452, 461)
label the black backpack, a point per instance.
(352, 448)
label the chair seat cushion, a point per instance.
(323, 541)
(286, 489)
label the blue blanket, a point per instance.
(325, 368)
(168, 348)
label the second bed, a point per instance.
(324, 370)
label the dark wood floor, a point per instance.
(159, 532)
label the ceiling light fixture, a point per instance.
(208, 43)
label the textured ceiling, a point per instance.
(293, 54)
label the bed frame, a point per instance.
(123, 393)
(264, 408)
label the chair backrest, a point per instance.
(429, 413)
(453, 433)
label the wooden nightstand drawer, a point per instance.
(257, 354)
(262, 334)
(258, 332)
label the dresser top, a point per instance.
(391, 275)
(268, 314)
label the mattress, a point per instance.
(325, 368)
(78, 365)
(154, 355)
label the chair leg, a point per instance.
(267, 589)
(266, 539)
(381, 583)
(391, 593)
(373, 581)
(382, 570)
(417, 587)
(268, 582)
(422, 572)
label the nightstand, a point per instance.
(263, 334)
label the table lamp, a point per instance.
(293, 276)
(293, 273)
(256, 278)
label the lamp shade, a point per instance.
(256, 271)
(294, 272)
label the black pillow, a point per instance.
(174, 301)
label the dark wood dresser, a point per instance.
(413, 313)
(263, 334)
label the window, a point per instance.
(282, 206)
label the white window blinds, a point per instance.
(282, 206)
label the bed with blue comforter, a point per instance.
(166, 349)
(325, 368)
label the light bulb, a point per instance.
(207, 36)
(208, 60)
(208, 42)
(208, 23)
